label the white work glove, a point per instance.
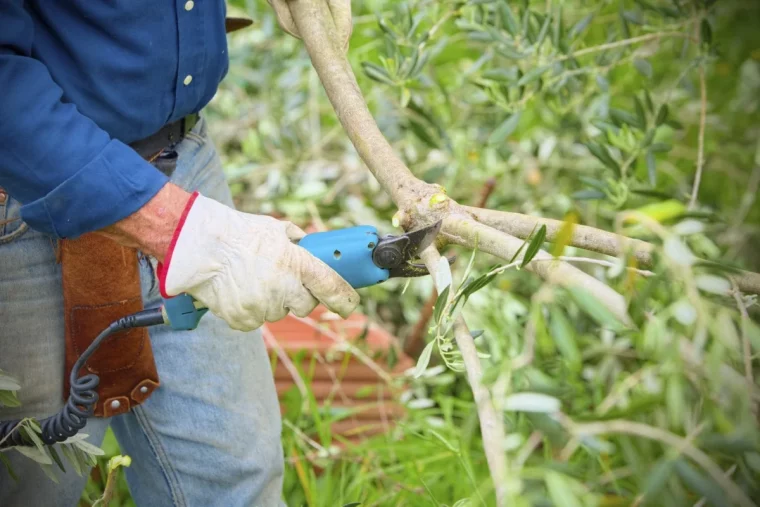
(341, 14)
(245, 269)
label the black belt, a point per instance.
(169, 135)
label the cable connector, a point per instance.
(145, 318)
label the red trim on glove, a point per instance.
(163, 267)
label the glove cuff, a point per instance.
(163, 267)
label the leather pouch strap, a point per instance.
(232, 24)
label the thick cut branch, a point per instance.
(589, 238)
(469, 233)
(491, 422)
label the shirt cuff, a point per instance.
(111, 187)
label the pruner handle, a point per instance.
(183, 312)
(347, 251)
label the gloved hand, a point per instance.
(245, 269)
(341, 14)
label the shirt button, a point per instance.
(189, 5)
(188, 79)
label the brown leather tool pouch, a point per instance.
(101, 283)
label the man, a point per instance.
(88, 90)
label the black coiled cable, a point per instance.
(83, 394)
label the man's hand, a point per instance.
(244, 268)
(341, 14)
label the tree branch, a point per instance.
(315, 24)
(589, 238)
(621, 43)
(491, 422)
(467, 232)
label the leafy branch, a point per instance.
(493, 232)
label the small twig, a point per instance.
(347, 346)
(414, 345)
(11, 432)
(622, 43)
(530, 445)
(585, 237)
(526, 356)
(701, 142)
(728, 473)
(109, 490)
(303, 436)
(570, 258)
(337, 386)
(383, 414)
(624, 387)
(746, 346)
(748, 199)
(316, 218)
(615, 475)
(270, 339)
(486, 191)
(693, 358)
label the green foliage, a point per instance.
(582, 109)
(576, 110)
(77, 453)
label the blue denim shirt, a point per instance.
(79, 80)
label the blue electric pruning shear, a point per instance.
(358, 254)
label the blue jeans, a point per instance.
(210, 435)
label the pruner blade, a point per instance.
(396, 253)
